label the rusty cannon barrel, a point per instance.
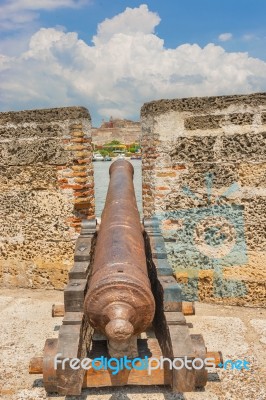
(119, 302)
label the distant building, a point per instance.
(124, 130)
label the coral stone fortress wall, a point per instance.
(203, 178)
(194, 150)
(46, 185)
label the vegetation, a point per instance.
(103, 152)
(113, 142)
(134, 147)
(115, 146)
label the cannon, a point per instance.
(119, 302)
(122, 301)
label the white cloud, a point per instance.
(123, 69)
(18, 13)
(225, 37)
(130, 22)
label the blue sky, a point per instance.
(112, 56)
(192, 21)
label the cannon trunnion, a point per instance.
(122, 302)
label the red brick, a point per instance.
(162, 188)
(166, 174)
(84, 161)
(73, 219)
(79, 167)
(83, 206)
(81, 193)
(80, 174)
(179, 167)
(80, 140)
(75, 224)
(81, 180)
(74, 187)
(61, 181)
(80, 148)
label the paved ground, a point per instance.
(240, 333)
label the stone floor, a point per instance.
(240, 333)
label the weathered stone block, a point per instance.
(37, 177)
(42, 250)
(45, 130)
(199, 105)
(254, 269)
(193, 149)
(36, 264)
(252, 174)
(254, 208)
(218, 175)
(240, 118)
(247, 147)
(255, 222)
(255, 290)
(28, 152)
(32, 215)
(203, 122)
(44, 115)
(214, 121)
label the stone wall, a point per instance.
(47, 186)
(204, 178)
